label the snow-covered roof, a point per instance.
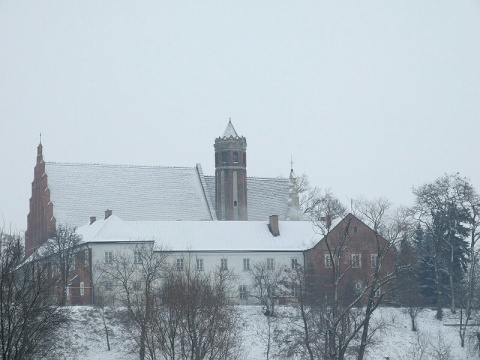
(204, 235)
(265, 197)
(230, 131)
(151, 193)
(79, 191)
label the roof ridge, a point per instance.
(121, 165)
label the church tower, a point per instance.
(40, 221)
(231, 175)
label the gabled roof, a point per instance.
(79, 191)
(151, 193)
(265, 197)
(204, 235)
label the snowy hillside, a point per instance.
(85, 338)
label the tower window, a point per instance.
(245, 159)
(235, 157)
(224, 158)
(235, 203)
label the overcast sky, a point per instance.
(369, 97)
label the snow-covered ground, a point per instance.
(85, 338)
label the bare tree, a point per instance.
(133, 277)
(342, 293)
(30, 321)
(267, 280)
(60, 250)
(442, 207)
(194, 319)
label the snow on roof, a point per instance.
(151, 193)
(230, 131)
(265, 197)
(79, 191)
(204, 235)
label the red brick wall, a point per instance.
(359, 240)
(40, 220)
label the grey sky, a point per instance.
(369, 97)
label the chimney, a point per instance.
(107, 214)
(92, 219)
(273, 225)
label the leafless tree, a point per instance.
(267, 284)
(30, 321)
(194, 319)
(329, 304)
(60, 250)
(444, 208)
(133, 277)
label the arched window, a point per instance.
(224, 158)
(235, 157)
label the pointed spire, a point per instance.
(230, 130)
(39, 150)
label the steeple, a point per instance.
(230, 130)
(40, 220)
(40, 151)
(294, 211)
(231, 175)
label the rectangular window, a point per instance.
(180, 264)
(82, 288)
(137, 257)
(357, 287)
(86, 257)
(356, 261)
(246, 264)
(136, 286)
(328, 261)
(243, 292)
(223, 264)
(374, 260)
(108, 257)
(270, 264)
(200, 264)
(108, 286)
(294, 263)
(378, 292)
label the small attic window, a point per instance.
(235, 157)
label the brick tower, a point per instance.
(40, 221)
(231, 175)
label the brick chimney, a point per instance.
(108, 213)
(92, 219)
(273, 225)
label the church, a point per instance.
(225, 220)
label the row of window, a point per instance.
(243, 292)
(137, 257)
(356, 260)
(225, 158)
(224, 264)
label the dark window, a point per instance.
(224, 158)
(235, 203)
(243, 292)
(235, 157)
(245, 159)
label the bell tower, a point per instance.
(231, 175)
